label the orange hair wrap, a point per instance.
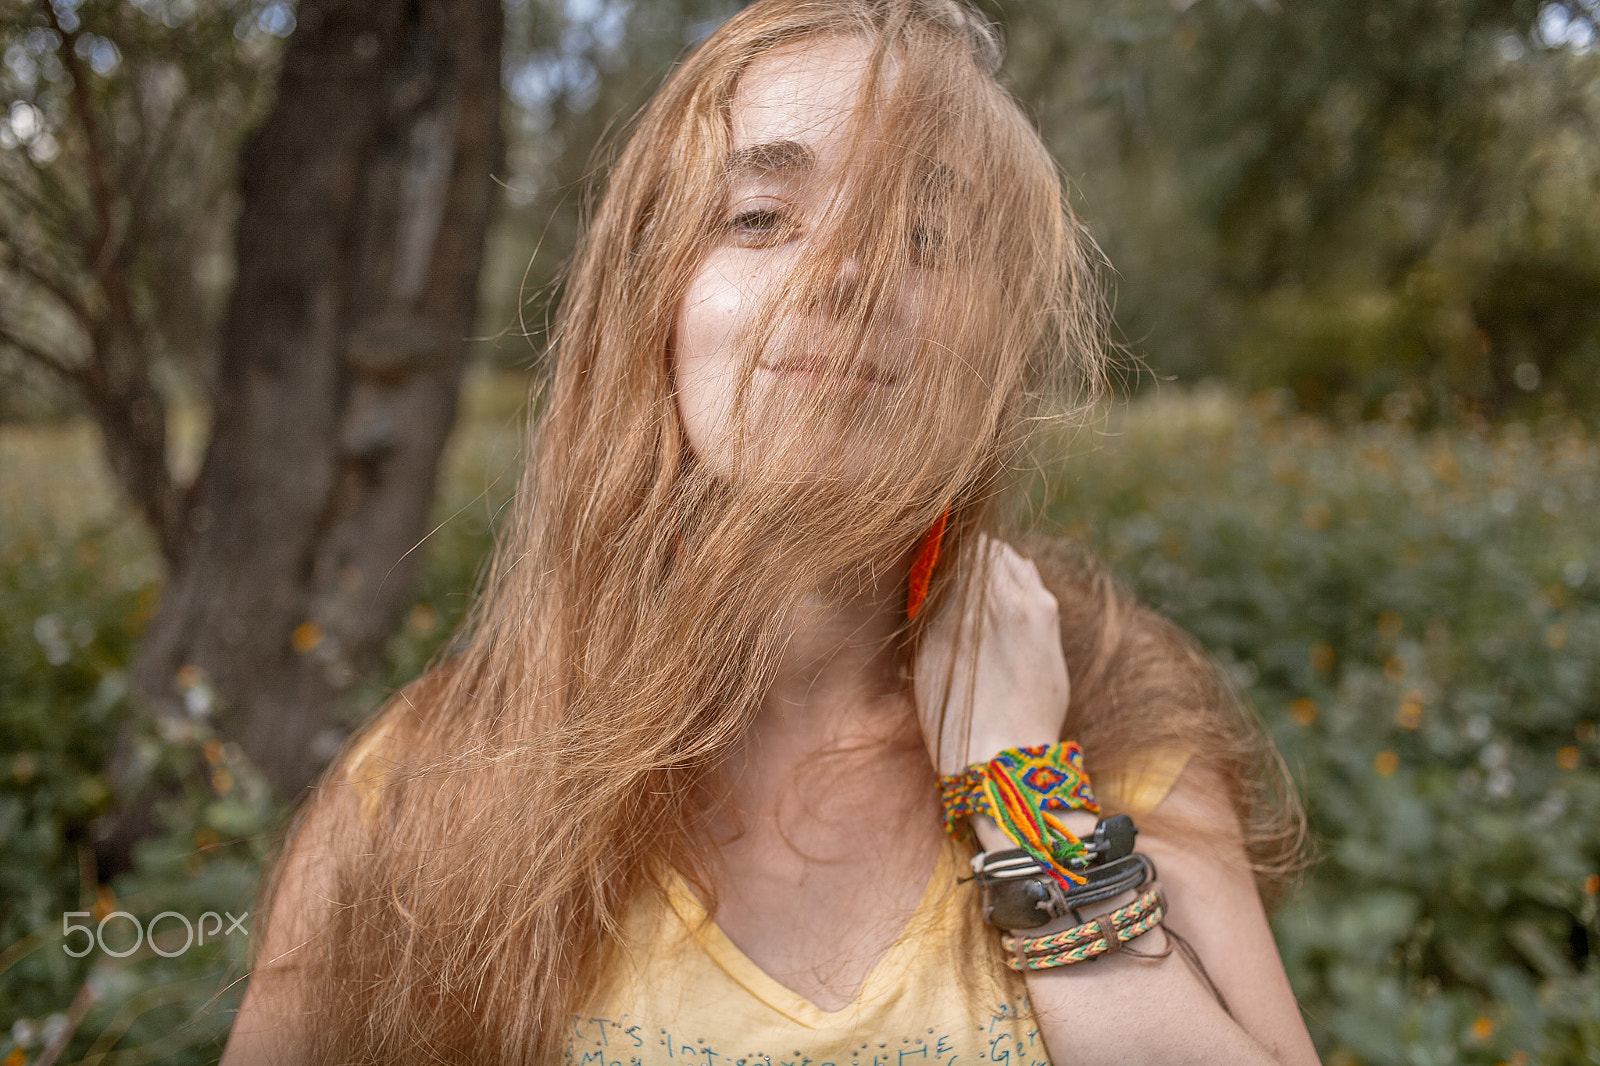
(922, 565)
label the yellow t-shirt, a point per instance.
(682, 994)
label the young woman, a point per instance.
(676, 798)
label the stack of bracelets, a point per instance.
(1052, 873)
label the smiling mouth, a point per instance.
(819, 368)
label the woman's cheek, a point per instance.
(704, 357)
(715, 319)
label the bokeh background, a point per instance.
(274, 280)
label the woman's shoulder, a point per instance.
(369, 761)
(1153, 709)
(1139, 785)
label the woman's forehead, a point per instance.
(793, 106)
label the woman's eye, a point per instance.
(926, 241)
(762, 225)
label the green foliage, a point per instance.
(1347, 199)
(65, 641)
(78, 582)
(1417, 618)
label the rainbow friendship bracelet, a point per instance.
(1019, 788)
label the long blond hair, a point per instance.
(639, 598)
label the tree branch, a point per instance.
(139, 183)
(53, 363)
(102, 192)
(41, 277)
(60, 214)
(116, 380)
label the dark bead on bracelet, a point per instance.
(1113, 838)
(1019, 904)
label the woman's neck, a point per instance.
(837, 706)
(831, 825)
(842, 660)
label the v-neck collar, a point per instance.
(766, 988)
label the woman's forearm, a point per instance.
(1122, 1009)
(1015, 694)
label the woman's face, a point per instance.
(791, 115)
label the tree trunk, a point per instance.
(366, 196)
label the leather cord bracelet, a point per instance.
(1054, 873)
(1016, 897)
(1035, 901)
(1018, 894)
(1089, 940)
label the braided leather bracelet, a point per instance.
(1099, 936)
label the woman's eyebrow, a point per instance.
(769, 158)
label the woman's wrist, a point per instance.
(992, 838)
(983, 748)
(1028, 818)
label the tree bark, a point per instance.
(366, 195)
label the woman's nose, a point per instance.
(841, 290)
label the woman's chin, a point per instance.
(839, 466)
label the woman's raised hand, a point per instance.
(1017, 690)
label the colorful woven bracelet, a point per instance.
(1021, 788)
(1101, 936)
(1148, 902)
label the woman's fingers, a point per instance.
(1015, 689)
(1018, 597)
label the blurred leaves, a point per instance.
(1348, 199)
(1417, 617)
(78, 580)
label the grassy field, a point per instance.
(1416, 616)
